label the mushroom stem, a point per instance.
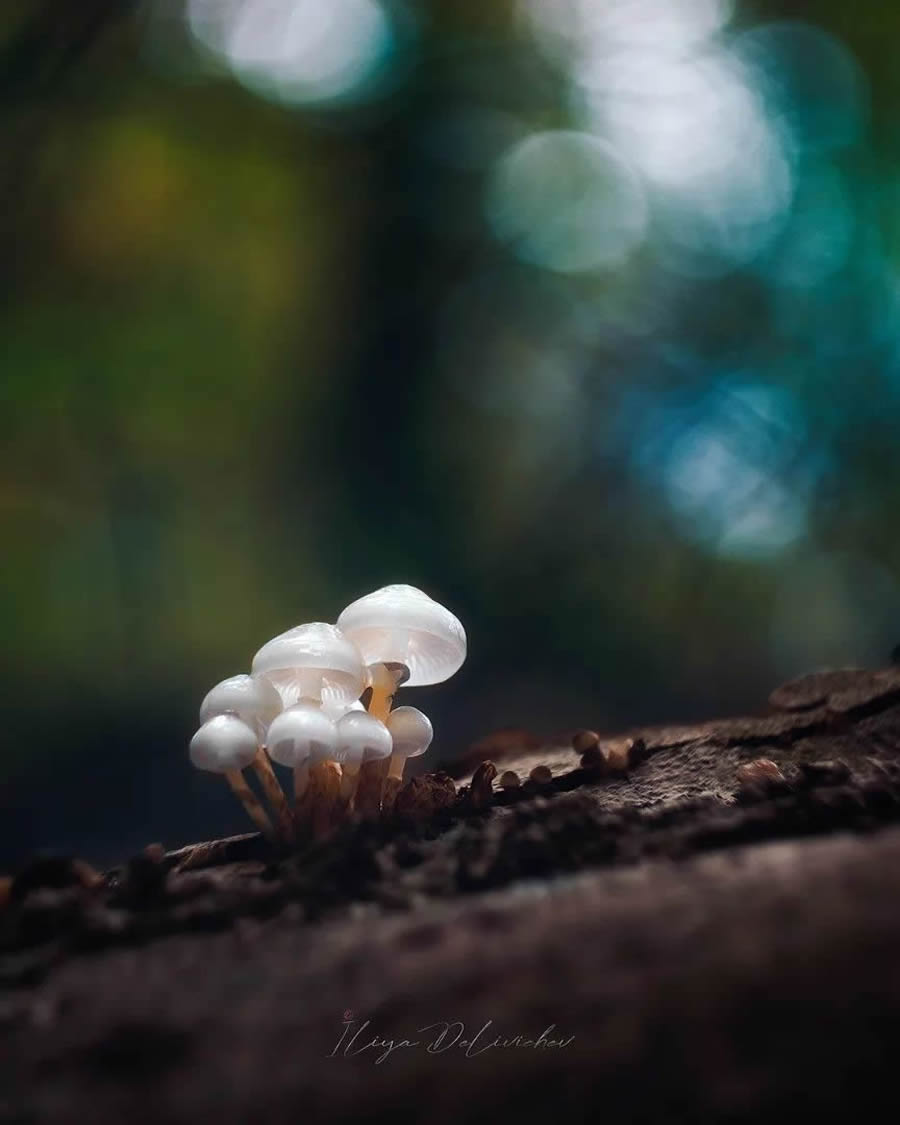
(397, 766)
(384, 681)
(250, 801)
(327, 808)
(392, 785)
(274, 793)
(349, 780)
(301, 780)
(318, 808)
(367, 799)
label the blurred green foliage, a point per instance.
(280, 324)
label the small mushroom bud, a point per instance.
(227, 745)
(412, 732)
(584, 740)
(509, 779)
(255, 701)
(223, 743)
(541, 775)
(759, 771)
(618, 754)
(361, 738)
(481, 791)
(592, 759)
(300, 737)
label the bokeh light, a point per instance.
(817, 239)
(732, 465)
(812, 84)
(567, 201)
(584, 316)
(564, 26)
(295, 51)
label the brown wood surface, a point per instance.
(703, 947)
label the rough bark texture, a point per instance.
(709, 942)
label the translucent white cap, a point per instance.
(224, 743)
(302, 732)
(402, 624)
(339, 710)
(251, 698)
(362, 738)
(314, 661)
(411, 731)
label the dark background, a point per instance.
(581, 316)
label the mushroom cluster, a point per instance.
(318, 700)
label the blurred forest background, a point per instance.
(580, 314)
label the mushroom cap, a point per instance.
(362, 738)
(339, 710)
(314, 661)
(251, 698)
(302, 732)
(224, 743)
(402, 624)
(411, 731)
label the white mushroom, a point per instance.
(411, 732)
(300, 737)
(403, 635)
(361, 738)
(314, 661)
(227, 745)
(302, 701)
(256, 702)
(251, 698)
(339, 710)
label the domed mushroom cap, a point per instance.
(362, 738)
(302, 732)
(411, 731)
(337, 711)
(224, 743)
(314, 661)
(402, 624)
(251, 698)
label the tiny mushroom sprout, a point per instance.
(226, 744)
(301, 736)
(404, 636)
(411, 732)
(256, 702)
(361, 738)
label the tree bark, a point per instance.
(691, 939)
